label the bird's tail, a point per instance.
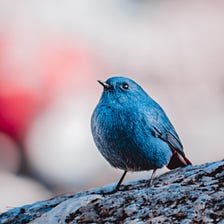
(178, 160)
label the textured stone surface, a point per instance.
(194, 194)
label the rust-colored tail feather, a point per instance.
(178, 160)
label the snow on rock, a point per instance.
(194, 194)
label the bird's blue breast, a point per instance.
(124, 137)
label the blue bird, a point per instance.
(132, 131)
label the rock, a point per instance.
(194, 194)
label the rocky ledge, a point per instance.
(194, 194)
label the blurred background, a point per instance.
(52, 53)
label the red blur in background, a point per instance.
(59, 66)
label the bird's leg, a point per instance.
(120, 181)
(118, 185)
(152, 176)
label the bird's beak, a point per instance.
(104, 84)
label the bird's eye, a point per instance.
(125, 86)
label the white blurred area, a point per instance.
(60, 143)
(52, 53)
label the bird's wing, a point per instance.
(163, 129)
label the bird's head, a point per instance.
(122, 90)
